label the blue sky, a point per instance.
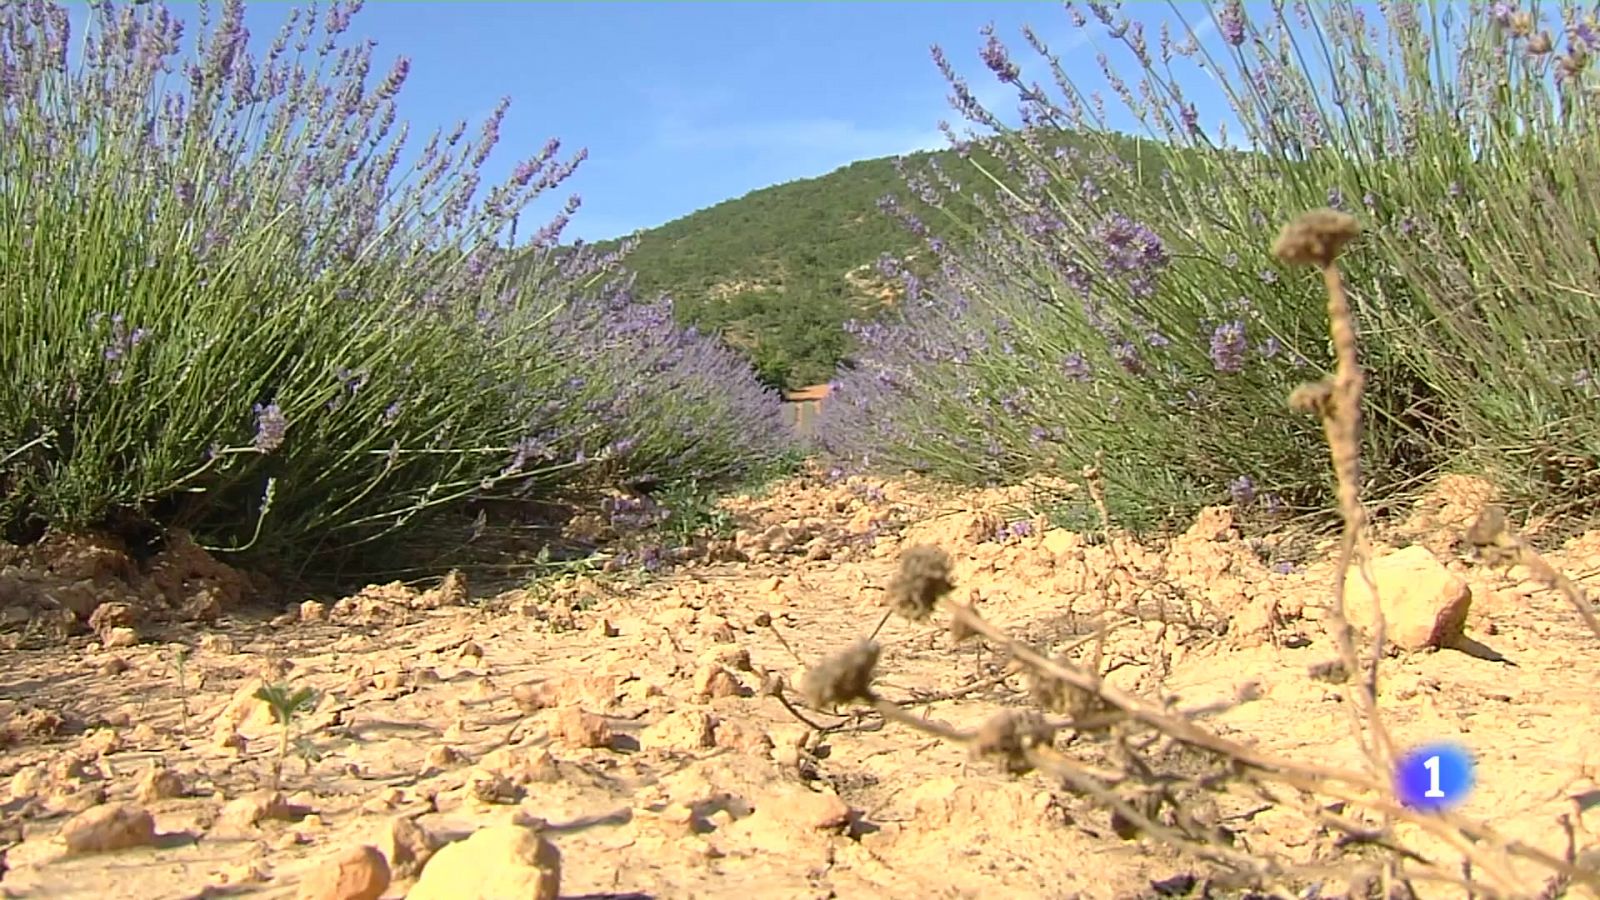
(682, 105)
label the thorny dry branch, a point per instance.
(1140, 739)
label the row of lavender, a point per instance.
(1125, 302)
(227, 304)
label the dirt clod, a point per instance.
(503, 862)
(103, 829)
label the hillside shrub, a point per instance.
(1091, 312)
(230, 299)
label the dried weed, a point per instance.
(1159, 763)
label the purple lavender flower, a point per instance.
(997, 59)
(1230, 22)
(1190, 117)
(1242, 490)
(270, 427)
(1127, 356)
(1076, 367)
(526, 449)
(1130, 246)
(1228, 345)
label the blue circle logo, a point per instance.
(1435, 776)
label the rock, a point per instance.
(76, 799)
(250, 871)
(591, 690)
(204, 605)
(245, 714)
(121, 636)
(576, 728)
(1214, 523)
(102, 829)
(92, 556)
(101, 742)
(713, 681)
(744, 738)
(31, 723)
(1057, 541)
(979, 526)
(407, 846)
(793, 821)
(255, 807)
(73, 767)
(452, 591)
(1255, 623)
(523, 765)
(358, 873)
(184, 569)
(27, 782)
(491, 787)
(313, 611)
(502, 862)
(114, 615)
(159, 783)
(806, 809)
(1424, 604)
(220, 644)
(441, 756)
(686, 729)
(730, 656)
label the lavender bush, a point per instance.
(227, 304)
(1117, 296)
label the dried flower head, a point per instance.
(844, 677)
(1493, 538)
(923, 577)
(1313, 397)
(1315, 238)
(1009, 735)
(1487, 528)
(960, 628)
(1060, 696)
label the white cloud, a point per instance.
(808, 136)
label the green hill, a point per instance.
(778, 271)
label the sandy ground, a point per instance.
(635, 719)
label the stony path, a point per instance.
(633, 722)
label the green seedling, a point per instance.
(180, 664)
(285, 705)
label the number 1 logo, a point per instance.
(1437, 776)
